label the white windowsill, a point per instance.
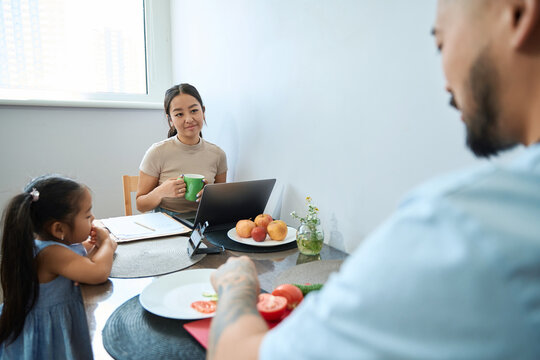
(121, 104)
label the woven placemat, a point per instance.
(152, 257)
(134, 333)
(219, 237)
(316, 272)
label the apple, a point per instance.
(258, 233)
(263, 220)
(244, 228)
(277, 230)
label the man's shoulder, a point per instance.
(492, 197)
(516, 176)
(449, 185)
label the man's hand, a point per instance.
(237, 323)
(237, 274)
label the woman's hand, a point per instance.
(173, 188)
(199, 194)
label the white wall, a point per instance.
(340, 100)
(94, 146)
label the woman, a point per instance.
(161, 184)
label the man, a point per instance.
(455, 272)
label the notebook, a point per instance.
(143, 226)
(225, 203)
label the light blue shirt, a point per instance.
(453, 274)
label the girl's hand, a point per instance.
(100, 239)
(98, 235)
(200, 192)
(114, 245)
(173, 188)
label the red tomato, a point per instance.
(291, 293)
(205, 307)
(271, 307)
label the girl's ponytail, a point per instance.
(18, 269)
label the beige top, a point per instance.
(171, 158)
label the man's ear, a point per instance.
(58, 230)
(526, 22)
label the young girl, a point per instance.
(46, 251)
(161, 186)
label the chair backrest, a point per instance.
(130, 185)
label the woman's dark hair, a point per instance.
(27, 215)
(174, 92)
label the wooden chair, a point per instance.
(130, 185)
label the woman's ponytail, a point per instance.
(18, 271)
(172, 131)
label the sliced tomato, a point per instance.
(271, 307)
(291, 293)
(205, 307)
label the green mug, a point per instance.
(194, 184)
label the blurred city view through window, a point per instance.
(64, 47)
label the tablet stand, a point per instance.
(195, 241)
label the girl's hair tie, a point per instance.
(35, 194)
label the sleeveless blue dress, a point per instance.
(56, 327)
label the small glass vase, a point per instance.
(310, 237)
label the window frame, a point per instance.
(158, 70)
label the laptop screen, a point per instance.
(226, 203)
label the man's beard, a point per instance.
(483, 127)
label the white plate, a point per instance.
(171, 295)
(291, 236)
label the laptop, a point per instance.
(225, 203)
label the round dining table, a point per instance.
(102, 300)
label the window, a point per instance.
(103, 53)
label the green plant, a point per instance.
(309, 236)
(311, 217)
